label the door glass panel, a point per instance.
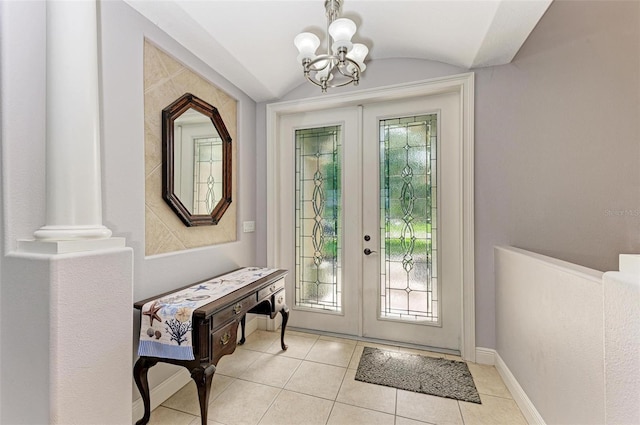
(408, 281)
(208, 174)
(317, 218)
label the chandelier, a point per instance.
(344, 61)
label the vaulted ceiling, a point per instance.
(250, 42)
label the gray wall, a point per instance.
(557, 142)
(558, 145)
(122, 35)
(22, 30)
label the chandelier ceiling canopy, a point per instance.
(343, 63)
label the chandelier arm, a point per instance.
(345, 83)
(347, 75)
(312, 81)
(352, 62)
(324, 87)
(331, 60)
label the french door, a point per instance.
(411, 201)
(370, 219)
(320, 225)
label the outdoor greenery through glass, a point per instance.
(318, 227)
(408, 284)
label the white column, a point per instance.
(74, 200)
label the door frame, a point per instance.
(461, 83)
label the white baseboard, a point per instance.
(519, 396)
(485, 356)
(163, 391)
(265, 323)
(489, 356)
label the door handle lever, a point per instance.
(367, 251)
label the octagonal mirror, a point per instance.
(196, 161)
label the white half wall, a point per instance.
(90, 337)
(550, 334)
(68, 320)
(622, 342)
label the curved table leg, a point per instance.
(243, 322)
(140, 376)
(285, 319)
(203, 377)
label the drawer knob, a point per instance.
(237, 308)
(280, 298)
(224, 339)
(273, 288)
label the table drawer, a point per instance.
(264, 293)
(279, 300)
(235, 310)
(224, 340)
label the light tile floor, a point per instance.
(313, 383)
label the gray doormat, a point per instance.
(420, 374)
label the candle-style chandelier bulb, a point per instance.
(341, 31)
(307, 44)
(358, 53)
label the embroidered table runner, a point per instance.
(166, 324)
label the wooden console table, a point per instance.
(214, 333)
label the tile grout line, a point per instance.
(340, 387)
(345, 370)
(269, 406)
(176, 410)
(281, 389)
(395, 408)
(330, 412)
(460, 411)
(496, 396)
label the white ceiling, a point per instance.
(250, 42)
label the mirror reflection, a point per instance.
(196, 161)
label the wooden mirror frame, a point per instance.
(169, 115)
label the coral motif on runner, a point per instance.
(166, 324)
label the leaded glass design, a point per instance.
(409, 282)
(207, 169)
(318, 228)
